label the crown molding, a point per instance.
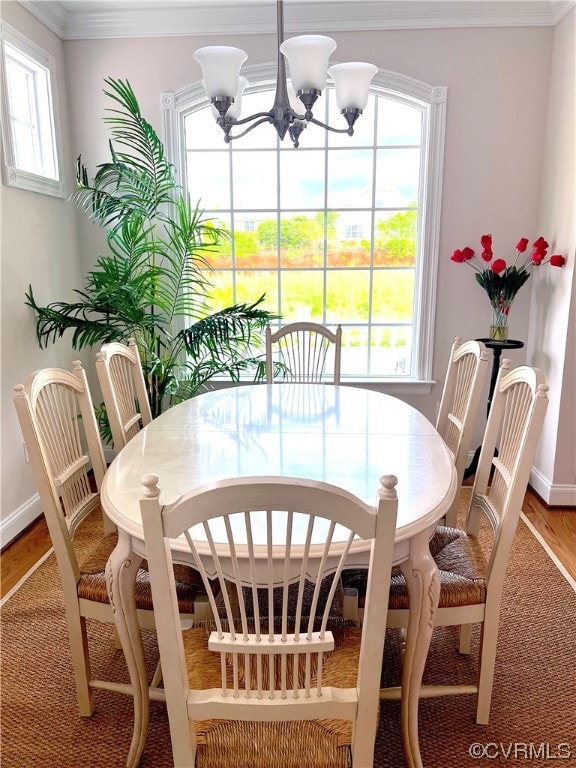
(93, 19)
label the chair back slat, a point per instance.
(305, 352)
(123, 387)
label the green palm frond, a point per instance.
(233, 327)
(141, 180)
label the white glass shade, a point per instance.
(221, 69)
(233, 109)
(352, 81)
(307, 57)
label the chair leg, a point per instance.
(80, 663)
(465, 632)
(487, 661)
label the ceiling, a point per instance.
(89, 19)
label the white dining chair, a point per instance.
(56, 415)
(472, 571)
(461, 397)
(304, 352)
(275, 681)
(124, 391)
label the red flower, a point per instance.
(467, 252)
(522, 244)
(487, 254)
(486, 242)
(498, 265)
(537, 257)
(557, 260)
(457, 256)
(540, 244)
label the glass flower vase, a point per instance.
(499, 327)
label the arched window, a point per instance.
(342, 230)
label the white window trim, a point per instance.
(13, 176)
(176, 105)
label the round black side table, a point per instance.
(497, 347)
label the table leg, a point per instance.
(121, 571)
(423, 582)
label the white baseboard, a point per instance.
(21, 518)
(554, 494)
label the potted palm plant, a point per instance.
(154, 284)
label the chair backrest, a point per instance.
(461, 397)
(514, 424)
(57, 419)
(122, 382)
(273, 534)
(304, 351)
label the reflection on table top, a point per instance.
(342, 435)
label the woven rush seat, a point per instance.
(291, 744)
(92, 583)
(462, 566)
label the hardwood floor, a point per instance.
(22, 554)
(557, 525)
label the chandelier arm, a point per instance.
(349, 130)
(266, 115)
(229, 137)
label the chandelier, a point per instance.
(307, 56)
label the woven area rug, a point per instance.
(533, 716)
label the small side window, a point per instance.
(29, 122)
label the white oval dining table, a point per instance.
(344, 435)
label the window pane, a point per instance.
(256, 239)
(390, 351)
(349, 238)
(251, 285)
(302, 240)
(393, 295)
(397, 176)
(347, 294)
(398, 123)
(255, 180)
(354, 351)
(208, 178)
(302, 295)
(350, 178)
(395, 238)
(222, 293)
(302, 175)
